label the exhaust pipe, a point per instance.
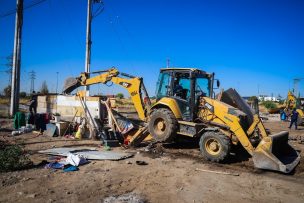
(274, 153)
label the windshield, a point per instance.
(202, 87)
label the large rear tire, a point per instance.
(215, 146)
(162, 125)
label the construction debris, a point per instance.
(125, 198)
(88, 153)
(217, 172)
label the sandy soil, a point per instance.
(170, 176)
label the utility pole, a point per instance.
(88, 43)
(16, 59)
(32, 77)
(57, 83)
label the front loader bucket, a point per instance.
(70, 84)
(274, 153)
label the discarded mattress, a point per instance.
(87, 153)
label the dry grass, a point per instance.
(6, 101)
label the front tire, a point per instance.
(215, 146)
(162, 125)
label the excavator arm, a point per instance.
(134, 85)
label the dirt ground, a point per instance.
(169, 176)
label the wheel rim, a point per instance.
(159, 126)
(213, 146)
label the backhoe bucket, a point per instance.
(70, 84)
(274, 153)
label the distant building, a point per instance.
(268, 98)
(246, 98)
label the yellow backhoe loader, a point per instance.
(186, 105)
(293, 102)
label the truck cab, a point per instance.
(185, 86)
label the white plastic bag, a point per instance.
(75, 159)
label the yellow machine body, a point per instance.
(272, 152)
(293, 102)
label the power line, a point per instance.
(120, 22)
(99, 10)
(12, 12)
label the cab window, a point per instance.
(163, 85)
(202, 87)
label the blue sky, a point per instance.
(247, 43)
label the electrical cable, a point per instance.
(119, 22)
(125, 28)
(98, 11)
(11, 12)
(119, 37)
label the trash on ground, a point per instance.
(70, 169)
(125, 198)
(217, 172)
(141, 163)
(75, 159)
(23, 129)
(88, 153)
(54, 165)
(70, 163)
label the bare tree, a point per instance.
(44, 88)
(9, 68)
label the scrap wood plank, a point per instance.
(111, 114)
(217, 172)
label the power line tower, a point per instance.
(32, 77)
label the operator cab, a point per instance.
(186, 86)
(300, 103)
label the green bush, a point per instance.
(252, 98)
(269, 104)
(22, 94)
(12, 158)
(120, 95)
